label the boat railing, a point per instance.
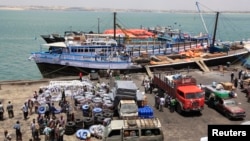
(42, 56)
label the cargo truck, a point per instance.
(183, 88)
(127, 99)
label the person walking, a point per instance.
(17, 127)
(9, 108)
(1, 111)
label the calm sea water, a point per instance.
(20, 31)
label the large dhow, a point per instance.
(211, 53)
(81, 54)
(101, 52)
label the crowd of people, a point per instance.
(47, 123)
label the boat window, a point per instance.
(92, 50)
(86, 50)
(73, 50)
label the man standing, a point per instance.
(61, 131)
(162, 102)
(80, 76)
(157, 99)
(46, 132)
(10, 110)
(63, 96)
(17, 126)
(30, 105)
(240, 73)
(232, 76)
(1, 111)
(25, 110)
(172, 104)
(33, 128)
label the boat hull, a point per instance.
(210, 62)
(56, 70)
(49, 70)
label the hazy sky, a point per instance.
(216, 5)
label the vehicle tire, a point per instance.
(70, 128)
(107, 115)
(100, 120)
(88, 122)
(211, 103)
(178, 108)
(228, 115)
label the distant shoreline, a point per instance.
(61, 8)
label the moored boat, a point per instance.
(86, 52)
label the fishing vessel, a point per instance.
(103, 52)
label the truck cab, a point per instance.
(133, 130)
(127, 109)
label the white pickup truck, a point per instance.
(127, 109)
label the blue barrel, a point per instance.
(147, 112)
(85, 110)
(139, 112)
(143, 112)
(150, 112)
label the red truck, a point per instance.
(188, 95)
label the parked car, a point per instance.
(230, 108)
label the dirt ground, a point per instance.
(176, 127)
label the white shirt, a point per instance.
(162, 101)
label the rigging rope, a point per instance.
(55, 71)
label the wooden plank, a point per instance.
(148, 71)
(204, 65)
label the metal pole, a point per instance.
(98, 25)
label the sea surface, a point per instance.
(20, 31)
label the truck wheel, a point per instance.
(228, 116)
(178, 108)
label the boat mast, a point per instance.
(202, 19)
(215, 29)
(114, 25)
